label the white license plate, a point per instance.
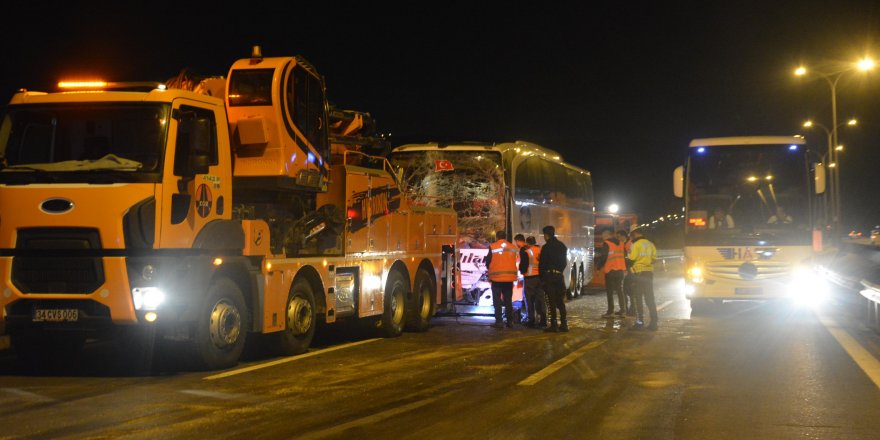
(56, 315)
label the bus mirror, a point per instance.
(678, 181)
(820, 178)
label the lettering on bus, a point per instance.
(747, 253)
(377, 201)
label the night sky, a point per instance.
(619, 88)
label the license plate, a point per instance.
(56, 315)
(748, 291)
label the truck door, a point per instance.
(194, 192)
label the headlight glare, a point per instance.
(147, 298)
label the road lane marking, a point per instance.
(28, 395)
(286, 360)
(664, 305)
(865, 360)
(374, 418)
(556, 366)
(220, 396)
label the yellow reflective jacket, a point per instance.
(642, 254)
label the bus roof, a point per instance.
(747, 140)
(475, 146)
(515, 147)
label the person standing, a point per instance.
(554, 258)
(614, 269)
(529, 267)
(628, 279)
(642, 254)
(501, 264)
(520, 241)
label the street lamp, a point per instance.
(832, 78)
(832, 201)
(613, 208)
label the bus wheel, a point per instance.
(222, 326)
(395, 305)
(422, 308)
(300, 320)
(701, 306)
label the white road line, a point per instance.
(371, 419)
(219, 395)
(554, 367)
(28, 395)
(286, 360)
(865, 360)
(664, 305)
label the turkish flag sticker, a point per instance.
(443, 165)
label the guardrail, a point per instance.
(871, 293)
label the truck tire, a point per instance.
(300, 320)
(222, 326)
(394, 315)
(421, 309)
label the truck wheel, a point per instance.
(300, 320)
(222, 325)
(422, 308)
(395, 305)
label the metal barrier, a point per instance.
(871, 292)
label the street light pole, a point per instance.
(832, 78)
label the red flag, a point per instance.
(443, 165)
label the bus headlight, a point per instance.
(695, 274)
(807, 288)
(147, 298)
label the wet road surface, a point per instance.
(746, 370)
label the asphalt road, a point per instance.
(748, 370)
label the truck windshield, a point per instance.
(471, 181)
(83, 142)
(739, 195)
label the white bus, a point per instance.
(517, 186)
(751, 209)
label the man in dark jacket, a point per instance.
(554, 258)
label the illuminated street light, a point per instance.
(866, 64)
(832, 78)
(852, 122)
(838, 148)
(613, 208)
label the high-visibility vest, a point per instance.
(643, 253)
(615, 259)
(534, 260)
(502, 267)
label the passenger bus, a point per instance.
(750, 205)
(517, 186)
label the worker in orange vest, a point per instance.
(613, 253)
(501, 264)
(533, 292)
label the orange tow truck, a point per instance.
(205, 212)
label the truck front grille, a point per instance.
(57, 260)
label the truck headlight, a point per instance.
(147, 298)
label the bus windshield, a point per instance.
(738, 194)
(471, 181)
(83, 142)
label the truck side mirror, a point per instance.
(678, 181)
(819, 179)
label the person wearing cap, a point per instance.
(501, 264)
(642, 254)
(554, 258)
